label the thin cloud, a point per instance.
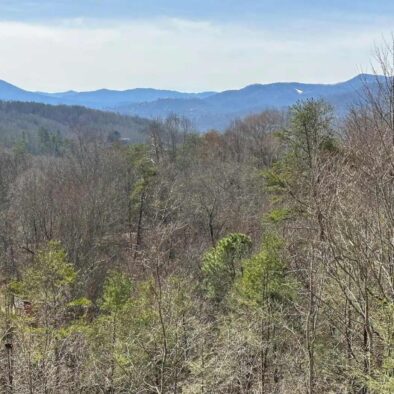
(174, 53)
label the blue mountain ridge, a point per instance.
(206, 109)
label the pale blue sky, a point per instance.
(187, 44)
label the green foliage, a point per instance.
(148, 332)
(117, 291)
(53, 265)
(21, 145)
(308, 143)
(310, 126)
(80, 302)
(141, 161)
(381, 381)
(264, 275)
(51, 143)
(49, 276)
(309, 135)
(278, 215)
(279, 176)
(329, 144)
(221, 265)
(144, 173)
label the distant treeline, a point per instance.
(27, 124)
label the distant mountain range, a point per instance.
(207, 109)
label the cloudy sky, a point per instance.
(190, 45)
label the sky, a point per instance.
(187, 45)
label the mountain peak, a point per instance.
(5, 84)
(364, 77)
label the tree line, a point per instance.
(42, 129)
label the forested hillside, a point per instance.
(206, 110)
(36, 126)
(259, 260)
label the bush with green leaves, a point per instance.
(222, 264)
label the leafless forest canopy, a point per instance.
(258, 260)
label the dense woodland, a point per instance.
(259, 260)
(41, 129)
